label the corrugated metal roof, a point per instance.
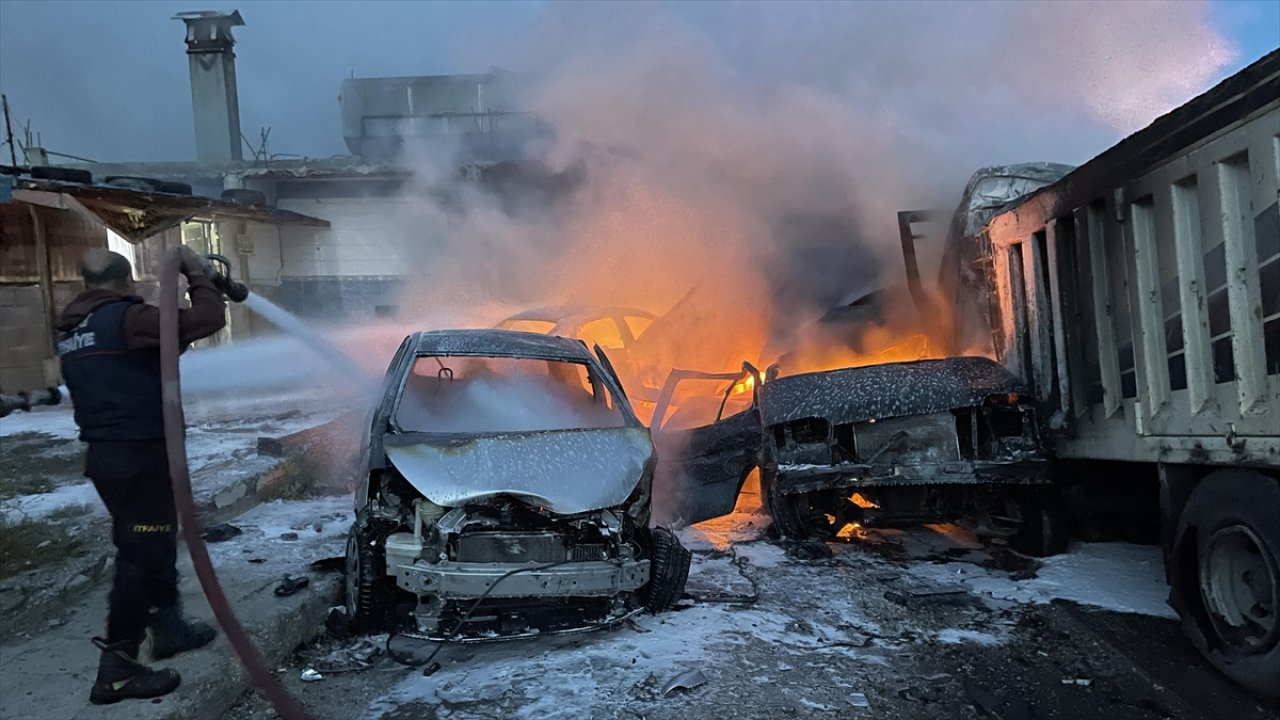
(137, 215)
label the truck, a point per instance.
(1138, 299)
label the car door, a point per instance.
(703, 460)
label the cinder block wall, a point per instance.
(26, 359)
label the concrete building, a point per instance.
(371, 200)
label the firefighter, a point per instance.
(109, 348)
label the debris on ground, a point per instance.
(331, 654)
(221, 533)
(289, 536)
(290, 585)
(687, 680)
(310, 675)
(858, 699)
(332, 564)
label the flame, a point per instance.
(861, 501)
(849, 531)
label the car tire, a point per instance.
(1045, 529)
(367, 594)
(1226, 568)
(668, 570)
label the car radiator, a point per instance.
(511, 547)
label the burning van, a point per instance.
(507, 493)
(907, 443)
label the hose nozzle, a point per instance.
(218, 268)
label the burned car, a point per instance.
(505, 492)
(908, 443)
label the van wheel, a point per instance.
(668, 570)
(1043, 528)
(367, 594)
(1227, 576)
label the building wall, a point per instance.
(352, 269)
(26, 358)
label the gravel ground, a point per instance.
(921, 624)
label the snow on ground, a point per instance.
(264, 525)
(39, 505)
(218, 431)
(1116, 576)
(56, 422)
(597, 674)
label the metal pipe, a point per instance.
(175, 443)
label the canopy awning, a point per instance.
(136, 215)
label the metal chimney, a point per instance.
(213, 83)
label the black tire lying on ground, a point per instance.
(1225, 571)
(367, 599)
(668, 570)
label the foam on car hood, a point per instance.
(565, 471)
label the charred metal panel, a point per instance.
(793, 479)
(909, 440)
(885, 391)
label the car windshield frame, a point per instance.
(596, 372)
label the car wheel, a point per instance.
(668, 570)
(367, 597)
(1227, 579)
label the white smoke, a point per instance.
(759, 151)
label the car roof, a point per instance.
(501, 343)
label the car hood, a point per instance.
(565, 471)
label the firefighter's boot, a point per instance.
(172, 634)
(121, 676)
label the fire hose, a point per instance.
(286, 706)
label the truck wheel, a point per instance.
(367, 594)
(668, 570)
(1227, 576)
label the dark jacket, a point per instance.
(141, 329)
(111, 361)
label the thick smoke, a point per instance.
(744, 163)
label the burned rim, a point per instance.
(1239, 583)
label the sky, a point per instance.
(109, 80)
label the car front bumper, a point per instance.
(452, 580)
